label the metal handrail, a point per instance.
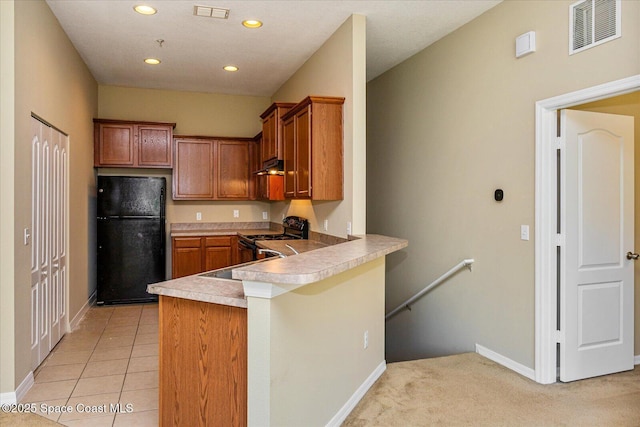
(445, 276)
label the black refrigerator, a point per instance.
(131, 238)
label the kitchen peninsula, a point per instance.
(288, 341)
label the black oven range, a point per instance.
(294, 227)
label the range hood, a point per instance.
(272, 167)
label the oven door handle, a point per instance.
(246, 244)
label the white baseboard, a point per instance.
(342, 414)
(78, 317)
(506, 362)
(636, 359)
(15, 397)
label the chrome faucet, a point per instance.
(292, 248)
(271, 251)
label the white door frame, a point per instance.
(546, 237)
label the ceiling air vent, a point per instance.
(593, 22)
(210, 12)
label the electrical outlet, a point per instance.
(524, 232)
(349, 228)
(366, 339)
(236, 213)
(198, 216)
(265, 215)
(326, 225)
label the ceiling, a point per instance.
(113, 40)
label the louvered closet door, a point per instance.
(48, 238)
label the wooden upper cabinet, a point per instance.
(272, 131)
(313, 149)
(193, 171)
(212, 168)
(289, 151)
(154, 146)
(270, 187)
(233, 169)
(119, 143)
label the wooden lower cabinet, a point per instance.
(193, 255)
(203, 363)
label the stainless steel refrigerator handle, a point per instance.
(631, 255)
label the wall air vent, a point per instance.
(593, 22)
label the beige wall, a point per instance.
(627, 105)
(193, 113)
(306, 353)
(52, 81)
(7, 191)
(445, 129)
(336, 69)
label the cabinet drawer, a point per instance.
(217, 241)
(186, 242)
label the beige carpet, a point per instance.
(25, 420)
(468, 389)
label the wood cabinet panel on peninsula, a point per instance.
(212, 168)
(119, 143)
(203, 363)
(313, 149)
(193, 255)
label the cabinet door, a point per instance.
(217, 258)
(271, 187)
(194, 170)
(288, 139)
(114, 145)
(303, 153)
(255, 165)
(219, 252)
(269, 135)
(233, 170)
(186, 256)
(154, 146)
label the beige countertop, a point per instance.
(316, 265)
(299, 245)
(222, 232)
(316, 262)
(192, 229)
(205, 289)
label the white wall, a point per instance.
(445, 129)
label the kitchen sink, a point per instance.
(223, 273)
(226, 272)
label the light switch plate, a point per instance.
(524, 232)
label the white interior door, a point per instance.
(596, 278)
(48, 238)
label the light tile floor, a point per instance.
(110, 358)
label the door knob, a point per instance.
(631, 255)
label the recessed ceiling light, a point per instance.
(145, 10)
(230, 68)
(152, 61)
(252, 23)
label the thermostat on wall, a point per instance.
(525, 44)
